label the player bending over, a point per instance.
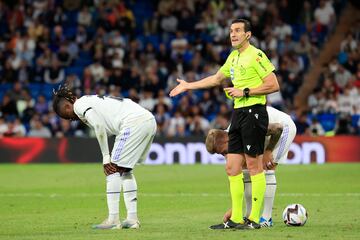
(281, 132)
(134, 128)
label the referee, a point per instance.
(252, 77)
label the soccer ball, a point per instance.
(295, 215)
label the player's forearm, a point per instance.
(269, 85)
(101, 136)
(274, 130)
(100, 132)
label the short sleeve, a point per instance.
(225, 69)
(81, 106)
(262, 64)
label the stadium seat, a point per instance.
(154, 40)
(327, 121)
(70, 32)
(4, 87)
(82, 62)
(71, 18)
(84, 54)
(35, 89)
(78, 70)
(47, 90)
(355, 120)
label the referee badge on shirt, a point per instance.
(232, 73)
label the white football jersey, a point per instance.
(115, 113)
(276, 116)
(288, 134)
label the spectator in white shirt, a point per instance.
(84, 17)
(342, 76)
(39, 130)
(325, 14)
(282, 29)
(349, 44)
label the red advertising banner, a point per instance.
(191, 150)
(336, 149)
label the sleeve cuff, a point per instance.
(106, 159)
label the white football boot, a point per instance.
(106, 224)
(132, 224)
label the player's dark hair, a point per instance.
(62, 94)
(247, 24)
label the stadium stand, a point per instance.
(137, 49)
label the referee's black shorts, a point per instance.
(248, 130)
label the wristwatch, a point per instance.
(246, 92)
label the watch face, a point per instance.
(246, 92)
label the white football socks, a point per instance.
(130, 195)
(247, 191)
(113, 188)
(269, 193)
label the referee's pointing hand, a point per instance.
(182, 87)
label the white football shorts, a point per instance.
(281, 149)
(133, 143)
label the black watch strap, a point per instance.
(246, 92)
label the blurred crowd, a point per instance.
(137, 49)
(335, 102)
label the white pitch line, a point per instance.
(155, 195)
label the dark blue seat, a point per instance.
(70, 32)
(327, 120)
(4, 87)
(78, 70)
(82, 62)
(47, 90)
(354, 120)
(35, 89)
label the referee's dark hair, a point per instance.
(247, 24)
(62, 94)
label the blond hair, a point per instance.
(212, 138)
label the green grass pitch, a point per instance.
(175, 202)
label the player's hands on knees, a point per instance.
(180, 88)
(227, 215)
(270, 165)
(268, 159)
(110, 168)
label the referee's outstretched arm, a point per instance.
(208, 82)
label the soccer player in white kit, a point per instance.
(134, 128)
(281, 133)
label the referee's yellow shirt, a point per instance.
(246, 70)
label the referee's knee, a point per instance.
(254, 165)
(232, 170)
